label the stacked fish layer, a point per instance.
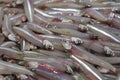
(59, 40)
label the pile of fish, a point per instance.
(59, 40)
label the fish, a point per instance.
(29, 11)
(33, 38)
(87, 56)
(10, 68)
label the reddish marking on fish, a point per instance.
(110, 22)
(49, 68)
(56, 20)
(74, 50)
